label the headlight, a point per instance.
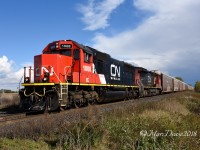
(46, 77)
(27, 80)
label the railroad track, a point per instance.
(10, 118)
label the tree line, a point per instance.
(7, 91)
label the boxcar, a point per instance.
(167, 83)
(176, 84)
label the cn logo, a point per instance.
(114, 72)
(40, 71)
(149, 79)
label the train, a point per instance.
(69, 74)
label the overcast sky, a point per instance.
(155, 34)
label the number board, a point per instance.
(67, 46)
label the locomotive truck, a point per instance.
(68, 74)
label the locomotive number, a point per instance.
(66, 46)
(87, 80)
(87, 68)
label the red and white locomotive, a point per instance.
(69, 74)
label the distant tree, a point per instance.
(179, 78)
(197, 86)
(7, 91)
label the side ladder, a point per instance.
(63, 99)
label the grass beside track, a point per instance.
(8, 99)
(172, 123)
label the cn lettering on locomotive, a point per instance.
(114, 72)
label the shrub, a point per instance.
(81, 135)
(197, 86)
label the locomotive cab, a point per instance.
(55, 64)
(63, 61)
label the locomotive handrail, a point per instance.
(29, 69)
(66, 71)
(41, 95)
(20, 83)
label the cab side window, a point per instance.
(87, 57)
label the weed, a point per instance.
(21, 144)
(82, 135)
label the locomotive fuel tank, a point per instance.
(109, 96)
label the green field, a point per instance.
(172, 123)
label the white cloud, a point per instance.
(9, 76)
(5, 65)
(167, 40)
(96, 14)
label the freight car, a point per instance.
(68, 74)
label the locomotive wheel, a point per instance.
(52, 102)
(79, 103)
(24, 105)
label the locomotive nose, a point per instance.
(51, 67)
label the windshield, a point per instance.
(61, 52)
